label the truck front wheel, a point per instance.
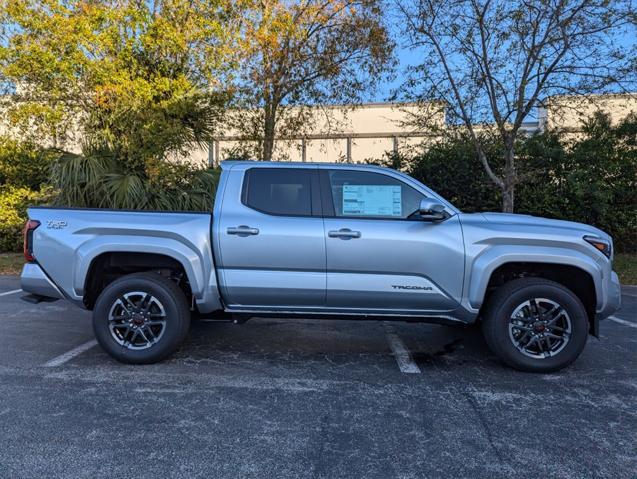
(535, 325)
(141, 318)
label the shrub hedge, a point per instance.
(24, 172)
(590, 177)
(30, 175)
(24, 164)
(14, 202)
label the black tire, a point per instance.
(175, 318)
(503, 303)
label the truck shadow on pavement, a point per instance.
(325, 345)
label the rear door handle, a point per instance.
(344, 233)
(242, 230)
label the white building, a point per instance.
(370, 131)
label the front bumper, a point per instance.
(613, 298)
(35, 281)
(611, 305)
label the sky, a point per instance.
(406, 56)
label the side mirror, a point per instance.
(431, 210)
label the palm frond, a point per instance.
(123, 191)
(77, 178)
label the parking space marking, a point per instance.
(7, 293)
(402, 355)
(63, 358)
(622, 321)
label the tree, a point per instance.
(592, 176)
(300, 53)
(141, 81)
(120, 71)
(497, 61)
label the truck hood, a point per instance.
(518, 220)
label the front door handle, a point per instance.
(243, 230)
(344, 233)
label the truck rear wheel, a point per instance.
(141, 318)
(535, 325)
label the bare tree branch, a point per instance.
(495, 61)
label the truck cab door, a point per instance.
(270, 242)
(381, 255)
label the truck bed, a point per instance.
(69, 240)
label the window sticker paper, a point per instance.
(372, 200)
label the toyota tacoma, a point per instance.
(327, 241)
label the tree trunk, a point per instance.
(269, 132)
(508, 199)
(509, 179)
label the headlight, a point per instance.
(599, 244)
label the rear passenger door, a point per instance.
(271, 239)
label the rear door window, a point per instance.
(279, 191)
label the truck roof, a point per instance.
(228, 164)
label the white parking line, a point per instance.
(63, 358)
(405, 362)
(622, 321)
(7, 293)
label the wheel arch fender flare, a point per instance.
(487, 262)
(193, 263)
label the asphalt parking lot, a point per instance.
(308, 398)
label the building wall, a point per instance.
(568, 112)
(357, 134)
(375, 130)
(346, 133)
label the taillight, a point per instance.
(29, 227)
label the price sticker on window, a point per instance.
(372, 200)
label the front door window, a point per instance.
(363, 194)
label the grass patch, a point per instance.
(11, 263)
(626, 267)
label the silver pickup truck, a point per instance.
(325, 240)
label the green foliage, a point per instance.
(600, 179)
(296, 54)
(450, 168)
(166, 123)
(98, 180)
(23, 164)
(13, 205)
(24, 169)
(591, 178)
(178, 186)
(497, 62)
(141, 83)
(119, 72)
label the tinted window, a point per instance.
(279, 191)
(372, 195)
